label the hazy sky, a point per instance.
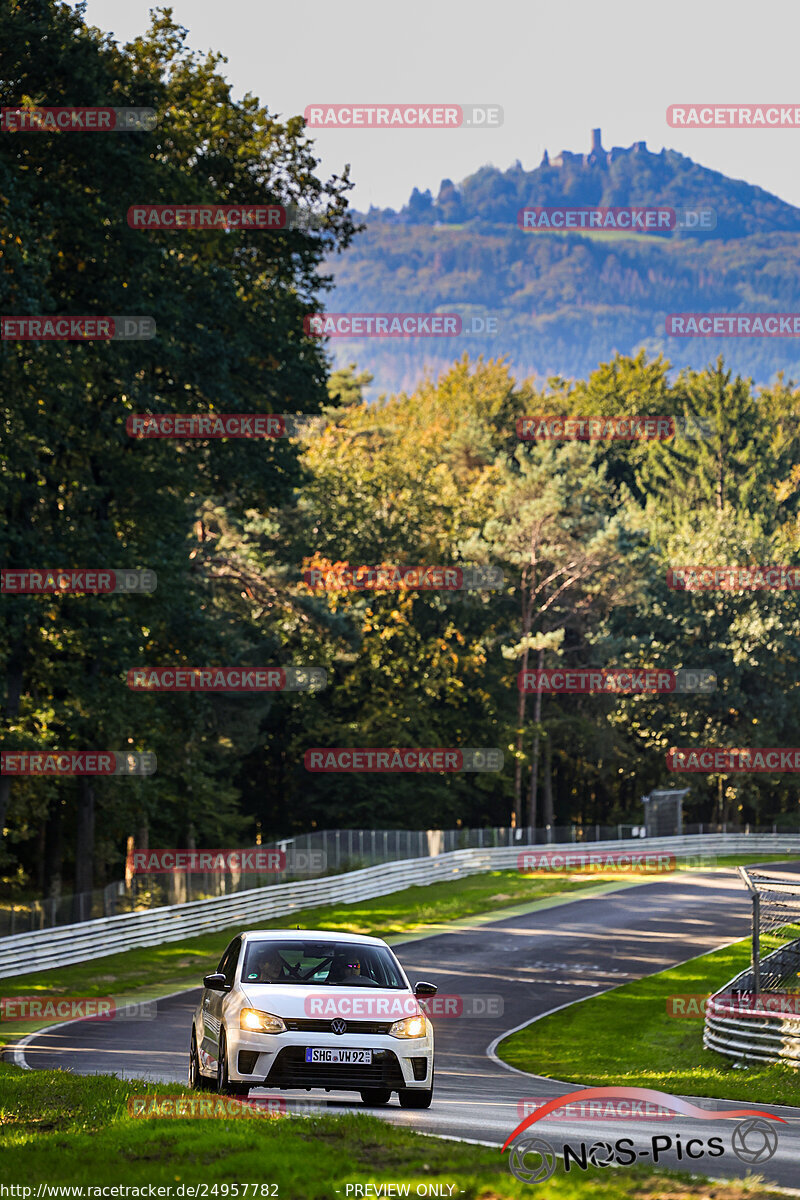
(557, 69)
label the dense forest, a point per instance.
(584, 532)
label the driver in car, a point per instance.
(345, 969)
(271, 968)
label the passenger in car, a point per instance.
(271, 968)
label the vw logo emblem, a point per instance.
(339, 1026)
(754, 1140)
(533, 1160)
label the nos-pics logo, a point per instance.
(533, 1159)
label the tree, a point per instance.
(229, 311)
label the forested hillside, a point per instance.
(564, 301)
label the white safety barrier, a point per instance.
(770, 1030)
(771, 1038)
(43, 948)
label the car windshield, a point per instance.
(335, 964)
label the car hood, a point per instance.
(309, 1002)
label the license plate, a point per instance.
(338, 1056)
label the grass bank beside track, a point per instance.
(626, 1036)
(153, 971)
(59, 1128)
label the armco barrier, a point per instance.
(773, 1037)
(66, 944)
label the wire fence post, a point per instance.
(755, 959)
(757, 943)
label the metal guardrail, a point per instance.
(768, 1037)
(63, 945)
(341, 850)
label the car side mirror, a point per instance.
(425, 989)
(216, 982)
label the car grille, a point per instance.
(324, 1026)
(291, 1070)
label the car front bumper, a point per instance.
(278, 1060)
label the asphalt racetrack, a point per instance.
(535, 963)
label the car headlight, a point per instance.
(409, 1027)
(256, 1021)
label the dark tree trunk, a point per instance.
(537, 716)
(143, 835)
(41, 843)
(84, 840)
(53, 853)
(517, 815)
(549, 814)
(14, 679)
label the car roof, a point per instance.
(312, 935)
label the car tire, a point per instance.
(375, 1096)
(225, 1086)
(197, 1080)
(416, 1097)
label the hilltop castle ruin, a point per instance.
(597, 154)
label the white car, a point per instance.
(309, 1009)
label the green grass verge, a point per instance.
(59, 1128)
(744, 860)
(626, 1036)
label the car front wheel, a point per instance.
(197, 1080)
(225, 1086)
(416, 1097)
(375, 1096)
